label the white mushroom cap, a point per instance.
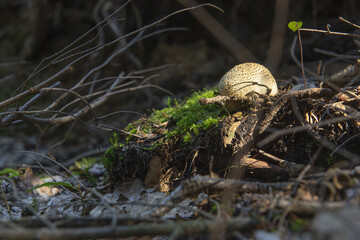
(245, 78)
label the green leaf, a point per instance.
(52, 184)
(10, 172)
(294, 25)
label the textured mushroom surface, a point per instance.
(245, 78)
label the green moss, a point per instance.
(182, 121)
(114, 140)
(81, 168)
(187, 119)
(187, 137)
(109, 154)
(131, 128)
(299, 224)
(9, 173)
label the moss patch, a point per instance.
(183, 120)
(174, 133)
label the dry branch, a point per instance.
(354, 158)
(71, 55)
(308, 93)
(181, 229)
(198, 184)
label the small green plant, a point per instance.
(82, 167)
(299, 224)
(9, 172)
(85, 163)
(52, 184)
(114, 140)
(295, 26)
(187, 137)
(110, 154)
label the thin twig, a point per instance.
(347, 140)
(293, 56)
(188, 228)
(301, 56)
(76, 41)
(348, 22)
(74, 93)
(354, 158)
(32, 90)
(328, 31)
(57, 163)
(336, 55)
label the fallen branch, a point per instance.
(179, 228)
(199, 183)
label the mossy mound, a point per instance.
(184, 136)
(187, 138)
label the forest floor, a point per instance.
(119, 133)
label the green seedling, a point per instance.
(51, 184)
(9, 172)
(295, 25)
(82, 167)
